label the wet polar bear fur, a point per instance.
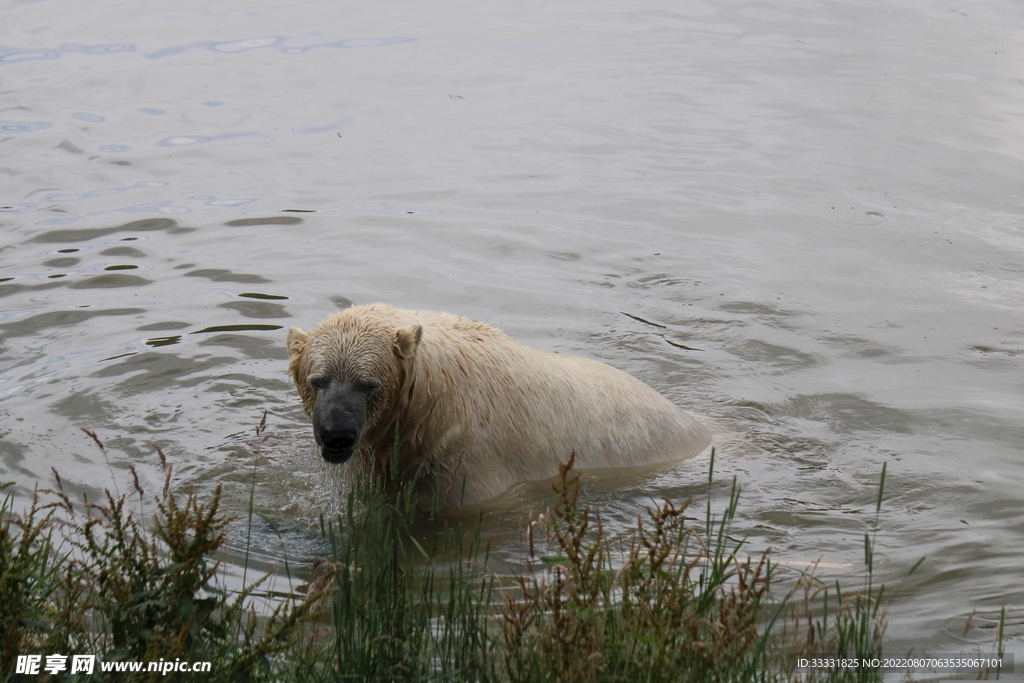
(468, 402)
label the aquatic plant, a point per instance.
(680, 605)
(398, 609)
(407, 595)
(29, 578)
(92, 578)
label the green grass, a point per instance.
(406, 594)
(91, 578)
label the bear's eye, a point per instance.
(368, 387)
(319, 382)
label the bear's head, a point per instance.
(350, 372)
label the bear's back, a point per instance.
(511, 413)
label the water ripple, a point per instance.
(368, 42)
(18, 55)
(104, 49)
(378, 207)
(246, 44)
(104, 191)
(87, 117)
(211, 200)
(261, 42)
(161, 207)
(23, 126)
(184, 140)
(15, 56)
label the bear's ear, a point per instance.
(295, 342)
(407, 340)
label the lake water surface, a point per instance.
(803, 221)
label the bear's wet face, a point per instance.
(339, 416)
(348, 372)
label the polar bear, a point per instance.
(468, 404)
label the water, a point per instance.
(821, 199)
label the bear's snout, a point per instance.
(339, 415)
(338, 445)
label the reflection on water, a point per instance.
(804, 224)
(284, 45)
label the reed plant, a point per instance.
(678, 604)
(405, 594)
(92, 578)
(411, 598)
(29, 578)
